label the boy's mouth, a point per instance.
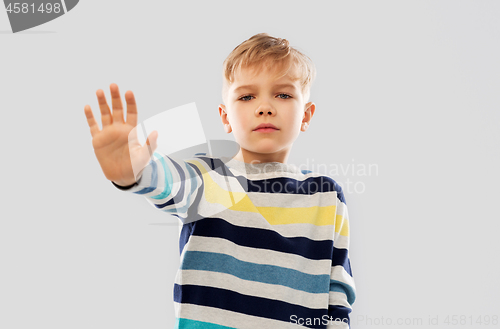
(264, 127)
(266, 130)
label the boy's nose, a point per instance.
(266, 109)
(269, 112)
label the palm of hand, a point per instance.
(116, 146)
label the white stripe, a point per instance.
(342, 210)
(268, 174)
(252, 288)
(341, 241)
(324, 199)
(338, 298)
(339, 273)
(228, 318)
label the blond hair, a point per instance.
(275, 54)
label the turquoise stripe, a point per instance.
(182, 323)
(343, 288)
(272, 274)
(168, 181)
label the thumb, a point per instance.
(152, 140)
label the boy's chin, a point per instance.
(263, 149)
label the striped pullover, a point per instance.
(261, 245)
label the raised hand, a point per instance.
(117, 158)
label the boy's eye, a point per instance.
(244, 98)
(288, 96)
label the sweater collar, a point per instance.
(259, 168)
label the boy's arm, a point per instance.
(170, 185)
(342, 288)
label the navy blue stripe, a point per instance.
(340, 193)
(311, 185)
(179, 197)
(339, 312)
(263, 239)
(341, 257)
(216, 165)
(186, 231)
(245, 304)
(192, 213)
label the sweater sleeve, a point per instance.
(342, 288)
(170, 185)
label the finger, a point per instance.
(116, 102)
(94, 127)
(131, 108)
(106, 117)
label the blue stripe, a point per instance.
(179, 197)
(245, 304)
(193, 175)
(193, 184)
(180, 194)
(344, 288)
(340, 257)
(154, 178)
(182, 323)
(186, 232)
(168, 181)
(263, 239)
(192, 211)
(271, 274)
(339, 312)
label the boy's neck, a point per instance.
(255, 158)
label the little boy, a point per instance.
(263, 244)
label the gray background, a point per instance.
(410, 86)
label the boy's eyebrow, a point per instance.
(282, 85)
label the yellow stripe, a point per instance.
(342, 225)
(316, 215)
(239, 201)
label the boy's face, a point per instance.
(255, 99)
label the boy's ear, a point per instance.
(223, 113)
(309, 109)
